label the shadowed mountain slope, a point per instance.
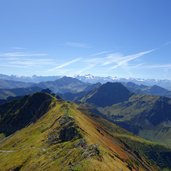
(107, 94)
(19, 113)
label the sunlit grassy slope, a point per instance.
(67, 138)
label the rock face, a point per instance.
(91, 150)
(67, 131)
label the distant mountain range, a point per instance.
(149, 82)
(64, 85)
(9, 88)
(90, 79)
(34, 78)
(139, 81)
(150, 90)
(71, 88)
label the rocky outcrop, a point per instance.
(67, 131)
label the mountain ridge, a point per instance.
(92, 144)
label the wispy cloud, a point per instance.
(77, 45)
(32, 62)
(99, 53)
(26, 63)
(113, 60)
(22, 59)
(66, 64)
(21, 54)
(14, 66)
(124, 60)
(104, 61)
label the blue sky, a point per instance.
(123, 38)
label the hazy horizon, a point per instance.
(83, 75)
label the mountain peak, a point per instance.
(108, 94)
